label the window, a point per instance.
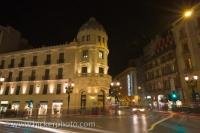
(103, 40)
(12, 62)
(84, 70)
(83, 100)
(99, 38)
(60, 73)
(101, 70)
(45, 89)
(32, 75)
(58, 91)
(31, 90)
(7, 90)
(83, 38)
(34, 63)
(22, 62)
(10, 76)
(188, 64)
(61, 58)
(48, 59)
(85, 54)
(88, 38)
(46, 74)
(2, 64)
(19, 78)
(17, 90)
(101, 55)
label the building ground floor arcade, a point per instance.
(54, 104)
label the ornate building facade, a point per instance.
(39, 76)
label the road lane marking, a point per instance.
(160, 121)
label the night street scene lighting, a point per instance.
(107, 66)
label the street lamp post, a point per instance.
(69, 89)
(192, 84)
(140, 94)
(114, 91)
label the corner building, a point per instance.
(35, 79)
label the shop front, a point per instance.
(43, 106)
(15, 105)
(57, 107)
(29, 107)
(4, 106)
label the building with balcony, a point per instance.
(35, 78)
(187, 38)
(160, 67)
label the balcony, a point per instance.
(9, 79)
(59, 76)
(47, 77)
(19, 79)
(32, 78)
(21, 65)
(33, 63)
(11, 66)
(47, 62)
(60, 61)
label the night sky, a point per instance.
(129, 24)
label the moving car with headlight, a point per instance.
(138, 109)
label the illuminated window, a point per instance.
(85, 54)
(101, 55)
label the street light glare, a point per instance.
(186, 78)
(195, 77)
(188, 13)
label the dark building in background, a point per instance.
(11, 40)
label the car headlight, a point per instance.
(134, 109)
(142, 110)
(119, 112)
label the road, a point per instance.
(153, 122)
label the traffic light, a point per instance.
(174, 96)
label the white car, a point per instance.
(138, 109)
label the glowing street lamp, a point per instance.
(192, 84)
(188, 13)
